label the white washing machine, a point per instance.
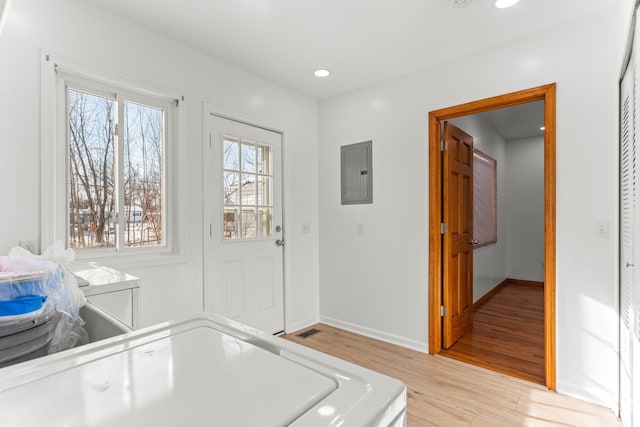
(204, 371)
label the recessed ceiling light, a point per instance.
(322, 73)
(503, 4)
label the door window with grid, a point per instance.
(247, 192)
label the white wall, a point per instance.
(489, 262)
(625, 17)
(377, 282)
(525, 208)
(80, 33)
(4, 6)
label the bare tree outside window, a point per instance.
(91, 159)
(93, 177)
(143, 142)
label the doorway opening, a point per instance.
(546, 94)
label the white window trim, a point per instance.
(54, 217)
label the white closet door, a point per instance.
(634, 298)
(627, 238)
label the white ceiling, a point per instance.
(361, 41)
(520, 121)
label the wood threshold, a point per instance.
(547, 93)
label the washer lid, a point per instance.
(189, 374)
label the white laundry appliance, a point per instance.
(111, 290)
(203, 371)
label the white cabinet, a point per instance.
(113, 291)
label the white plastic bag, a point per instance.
(61, 256)
(49, 282)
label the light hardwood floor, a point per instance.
(444, 392)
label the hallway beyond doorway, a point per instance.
(508, 332)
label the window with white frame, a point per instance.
(248, 177)
(117, 154)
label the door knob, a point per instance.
(280, 242)
(474, 241)
(629, 264)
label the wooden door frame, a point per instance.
(546, 93)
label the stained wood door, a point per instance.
(457, 238)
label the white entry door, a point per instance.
(244, 248)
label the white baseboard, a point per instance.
(582, 394)
(376, 334)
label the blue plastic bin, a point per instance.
(21, 305)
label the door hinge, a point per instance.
(210, 145)
(443, 311)
(443, 228)
(115, 129)
(210, 230)
(443, 145)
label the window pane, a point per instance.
(249, 226)
(91, 174)
(264, 191)
(264, 159)
(231, 154)
(143, 175)
(231, 223)
(248, 190)
(264, 217)
(248, 158)
(231, 188)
